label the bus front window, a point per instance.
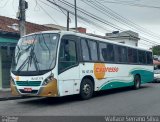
(35, 54)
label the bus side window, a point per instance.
(67, 54)
(149, 58)
(142, 57)
(134, 56)
(103, 51)
(85, 50)
(121, 54)
(124, 53)
(130, 55)
(93, 50)
(110, 53)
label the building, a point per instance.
(80, 29)
(125, 37)
(9, 35)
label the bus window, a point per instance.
(103, 51)
(85, 50)
(110, 53)
(121, 54)
(142, 57)
(130, 55)
(93, 50)
(67, 55)
(134, 56)
(149, 58)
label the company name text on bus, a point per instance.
(106, 69)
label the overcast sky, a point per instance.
(148, 18)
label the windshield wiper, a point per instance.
(19, 53)
(33, 56)
(35, 61)
(22, 66)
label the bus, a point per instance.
(61, 63)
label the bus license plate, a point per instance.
(28, 89)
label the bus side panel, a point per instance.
(108, 76)
(69, 81)
(145, 72)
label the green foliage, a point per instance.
(156, 50)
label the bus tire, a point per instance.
(86, 89)
(137, 82)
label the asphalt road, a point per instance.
(124, 101)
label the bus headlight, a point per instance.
(48, 79)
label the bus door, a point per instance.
(68, 66)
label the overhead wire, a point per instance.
(61, 10)
(104, 22)
(125, 20)
(82, 18)
(90, 15)
(131, 4)
(145, 38)
(46, 13)
(119, 19)
(49, 6)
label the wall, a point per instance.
(127, 41)
(5, 59)
(6, 66)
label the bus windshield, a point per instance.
(35, 54)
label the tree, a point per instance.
(156, 50)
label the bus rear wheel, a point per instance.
(137, 82)
(86, 89)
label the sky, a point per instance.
(146, 17)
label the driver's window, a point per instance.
(67, 54)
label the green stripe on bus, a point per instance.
(116, 84)
(28, 83)
(146, 76)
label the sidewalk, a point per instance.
(5, 94)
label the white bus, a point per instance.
(60, 63)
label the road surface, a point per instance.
(124, 101)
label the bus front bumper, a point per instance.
(49, 90)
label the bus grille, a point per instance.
(28, 83)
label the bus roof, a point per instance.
(87, 36)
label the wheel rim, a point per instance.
(87, 89)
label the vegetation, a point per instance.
(156, 50)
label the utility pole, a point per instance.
(68, 12)
(68, 20)
(75, 3)
(23, 5)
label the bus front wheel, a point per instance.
(137, 82)
(86, 89)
